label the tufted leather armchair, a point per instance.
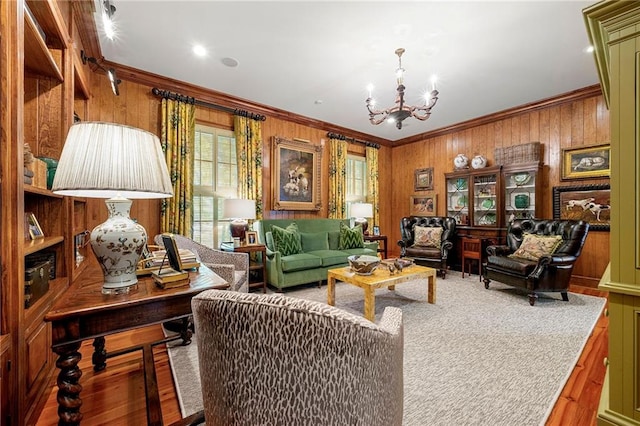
(269, 359)
(428, 256)
(551, 272)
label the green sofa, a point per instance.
(319, 239)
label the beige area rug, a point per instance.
(476, 357)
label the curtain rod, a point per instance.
(181, 98)
(348, 139)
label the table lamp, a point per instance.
(115, 162)
(239, 210)
(361, 211)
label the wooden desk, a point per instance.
(83, 312)
(378, 238)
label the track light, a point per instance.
(111, 73)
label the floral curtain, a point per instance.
(249, 152)
(178, 129)
(337, 178)
(373, 192)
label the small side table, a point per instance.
(257, 265)
(378, 238)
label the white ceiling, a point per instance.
(316, 58)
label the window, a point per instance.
(356, 180)
(215, 177)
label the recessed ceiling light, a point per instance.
(589, 49)
(199, 50)
(230, 62)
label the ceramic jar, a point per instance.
(478, 162)
(461, 161)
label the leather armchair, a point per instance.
(433, 257)
(551, 272)
(269, 359)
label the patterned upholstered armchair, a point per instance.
(313, 364)
(539, 256)
(232, 267)
(427, 240)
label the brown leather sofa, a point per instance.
(431, 256)
(550, 272)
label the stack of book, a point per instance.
(170, 278)
(188, 259)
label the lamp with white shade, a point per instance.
(239, 210)
(116, 162)
(361, 211)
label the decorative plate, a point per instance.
(461, 202)
(487, 204)
(488, 219)
(521, 178)
(461, 184)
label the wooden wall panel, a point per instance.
(574, 124)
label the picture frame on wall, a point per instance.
(586, 162)
(423, 205)
(591, 203)
(297, 175)
(423, 179)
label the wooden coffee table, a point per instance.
(380, 278)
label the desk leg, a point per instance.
(99, 357)
(68, 387)
(431, 288)
(331, 291)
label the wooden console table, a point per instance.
(83, 313)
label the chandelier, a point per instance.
(401, 111)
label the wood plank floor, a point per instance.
(116, 396)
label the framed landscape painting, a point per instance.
(423, 179)
(591, 203)
(296, 178)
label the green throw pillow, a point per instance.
(287, 241)
(350, 237)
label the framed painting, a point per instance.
(591, 203)
(586, 162)
(423, 180)
(296, 178)
(423, 205)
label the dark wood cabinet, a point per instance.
(482, 201)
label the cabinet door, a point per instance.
(458, 199)
(520, 194)
(485, 199)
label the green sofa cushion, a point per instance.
(331, 257)
(312, 241)
(300, 261)
(287, 241)
(350, 237)
(334, 240)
